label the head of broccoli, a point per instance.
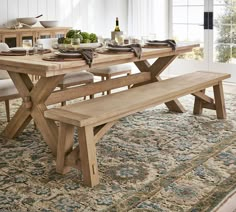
(93, 37)
(67, 41)
(71, 33)
(85, 36)
(61, 40)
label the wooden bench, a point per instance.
(96, 116)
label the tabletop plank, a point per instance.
(35, 65)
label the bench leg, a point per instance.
(88, 157)
(128, 74)
(64, 146)
(219, 101)
(108, 91)
(103, 78)
(198, 105)
(7, 106)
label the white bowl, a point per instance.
(49, 24)
(29, 20)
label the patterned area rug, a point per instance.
(151, 161)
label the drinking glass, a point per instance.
(27, 44)
(144, 40)
(75, 42)
(152, 36)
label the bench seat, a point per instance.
(94, 117)
(100, 110)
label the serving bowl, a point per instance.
(27, 20)
(49, 24)
(90, 45)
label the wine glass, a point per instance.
(75, 42)
(27, 44)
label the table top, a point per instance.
(35, 65)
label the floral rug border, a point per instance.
(206, 204)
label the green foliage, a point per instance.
(72, 33)
(225, 25)
(61, 40)
(93, 37)
(86, 41)
(78, 35)
(196, 54)
(84, 37)
(67, 41)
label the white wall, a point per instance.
(113, 9)
(148, 17)
(87, 15)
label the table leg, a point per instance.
(34, 107)
(156, 69)
(18, 123)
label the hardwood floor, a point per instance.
(228, 205)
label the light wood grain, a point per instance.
(112, 107)
(18, 123)
(198, 103)
(95, 117)
(37, 66)
(100, 111)
(219, 101)
(88, 156)
(102, 131)
(156, 69)
(76, 92)
(64, 146)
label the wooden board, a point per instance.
(37, 66)
(114, 106)
(22, 53)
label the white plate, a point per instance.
(68, 54)
(89, 45)
(119, 49)
(158, 44)
(20, 49)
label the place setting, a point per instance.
(160, 44)
(119, 46)
(75, 46)
(25, 50)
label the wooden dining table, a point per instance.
(38, 95)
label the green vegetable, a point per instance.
(71, 33)
(93, 37)
(67, 41)
(78, 35)
(86, 41)
(60, 40)
(86, 36)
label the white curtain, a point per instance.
(147, 17)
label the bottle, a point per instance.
(117, 28)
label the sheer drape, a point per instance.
(147, 17)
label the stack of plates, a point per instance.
(90, 45)
(122, 48)
(19, 49)
(68, 54)
(153, 43)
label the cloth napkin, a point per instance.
(87, 54)
(170, 42)
(136, 48)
